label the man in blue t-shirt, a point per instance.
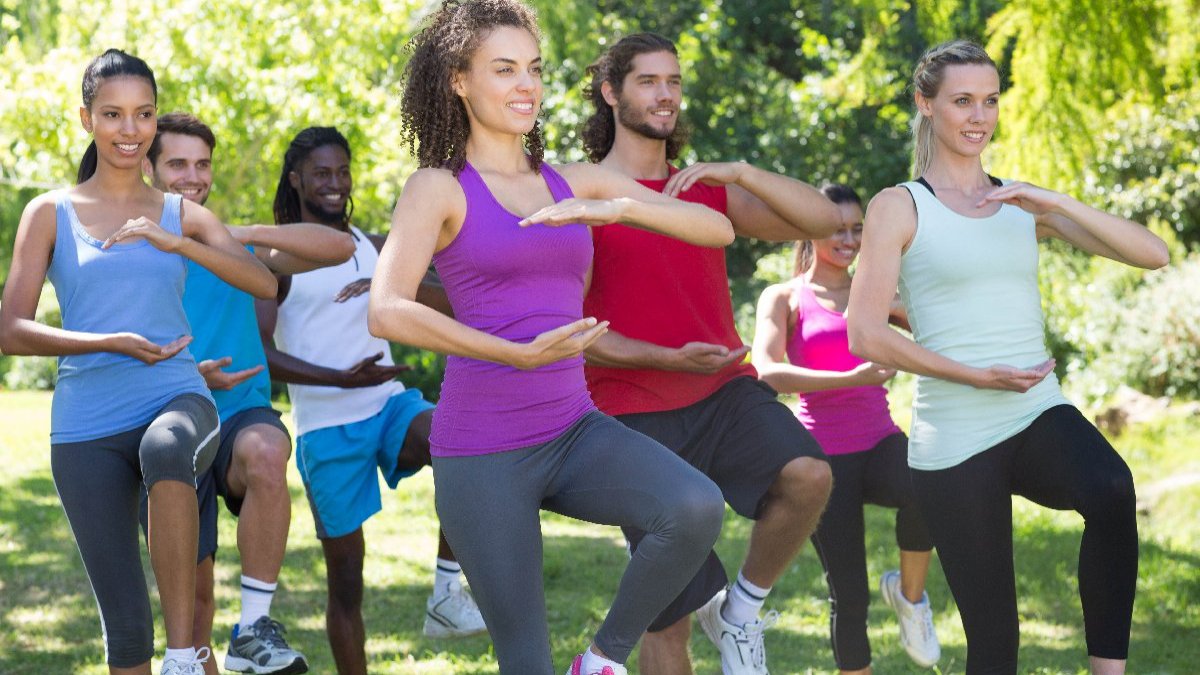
(249, 471)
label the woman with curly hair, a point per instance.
(516, 429)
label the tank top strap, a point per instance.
(559, 188)
(172, 213)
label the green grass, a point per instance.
(48, 622)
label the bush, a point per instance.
(1151, 341)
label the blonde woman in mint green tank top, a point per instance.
(989, 420)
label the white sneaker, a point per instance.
(453, 614)
(192, 666)
(916, 622)
(741, 647)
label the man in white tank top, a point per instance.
(353, 419)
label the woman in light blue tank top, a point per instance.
(129, 406)
(989, 420)
(516, 430)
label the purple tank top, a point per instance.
(516, 283)
(843, 421)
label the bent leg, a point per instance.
(839, 542)
(257, 482)
(1065, 463)
(616, 476)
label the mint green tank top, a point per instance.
(970, 286)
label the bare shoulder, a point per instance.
(193, 213)
(585, 178)
(432, 180)
(775, 295)
(40, 216)
(892, 213)
(436, 189)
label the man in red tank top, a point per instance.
(672, 366)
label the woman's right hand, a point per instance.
(870, 374)
(1008, 378)
(132, 344)
(561, 343)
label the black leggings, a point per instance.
(1062, 462)
(878, 476)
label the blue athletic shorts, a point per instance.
(338, 464)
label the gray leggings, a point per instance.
(98, 482)
(599, 471)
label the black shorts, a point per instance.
(741, 437)
(213, 482)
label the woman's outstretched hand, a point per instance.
(132, 344)
(1008, 378)
(575, 210)
(561, 343)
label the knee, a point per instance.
(264, 463)
(803, 484)
(699, 513)
(674, 636)
(1111, 495)
(345, 580)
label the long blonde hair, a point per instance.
(927, 80)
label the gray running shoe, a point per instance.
(262, 649)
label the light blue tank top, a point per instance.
(970, 286)
(132, 288)
(224, 324)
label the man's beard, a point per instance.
(627, 116)
(325, 215)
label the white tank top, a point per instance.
(970, 286)
(311, 326)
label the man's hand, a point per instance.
(368, 373)
(702, 357)
(217, 379)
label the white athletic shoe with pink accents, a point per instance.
(577, 669)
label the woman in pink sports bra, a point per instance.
(801, 347)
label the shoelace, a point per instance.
(754, 633)
(199, 659)
(270, 631)
(926, 615)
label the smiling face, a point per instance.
(650, 96)
(184, 166)
(122, 120)
(502, 90)
(323, 181)
(965, 110)
(841, 249)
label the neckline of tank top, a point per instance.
(77, 226)
(504, 208)
(995, 181)
(806, 287)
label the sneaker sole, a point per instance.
(436, 630)
(887, 600)
(240, 665)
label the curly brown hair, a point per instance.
(433, 118)
(612, 66)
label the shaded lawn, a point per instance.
(48, 621)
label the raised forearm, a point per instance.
(308, 241)
(237, 268)
(801, 205)
(1132, 242)
(693, 223)
(287, 368)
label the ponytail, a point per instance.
(87, 165)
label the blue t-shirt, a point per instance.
(224, 324)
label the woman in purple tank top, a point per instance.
(130, 408)
(515, 430)
(801, 347)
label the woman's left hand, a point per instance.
(144, 228)
(1031, 198)
(575, 210)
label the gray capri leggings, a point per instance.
(98, 482)
(599, 471)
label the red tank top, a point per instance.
(667, 292)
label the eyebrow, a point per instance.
(505, 59)
(968, 93)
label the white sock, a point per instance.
(187, 654)
(445, 575)
(743, 601)
(256, 600)
(594, 663)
